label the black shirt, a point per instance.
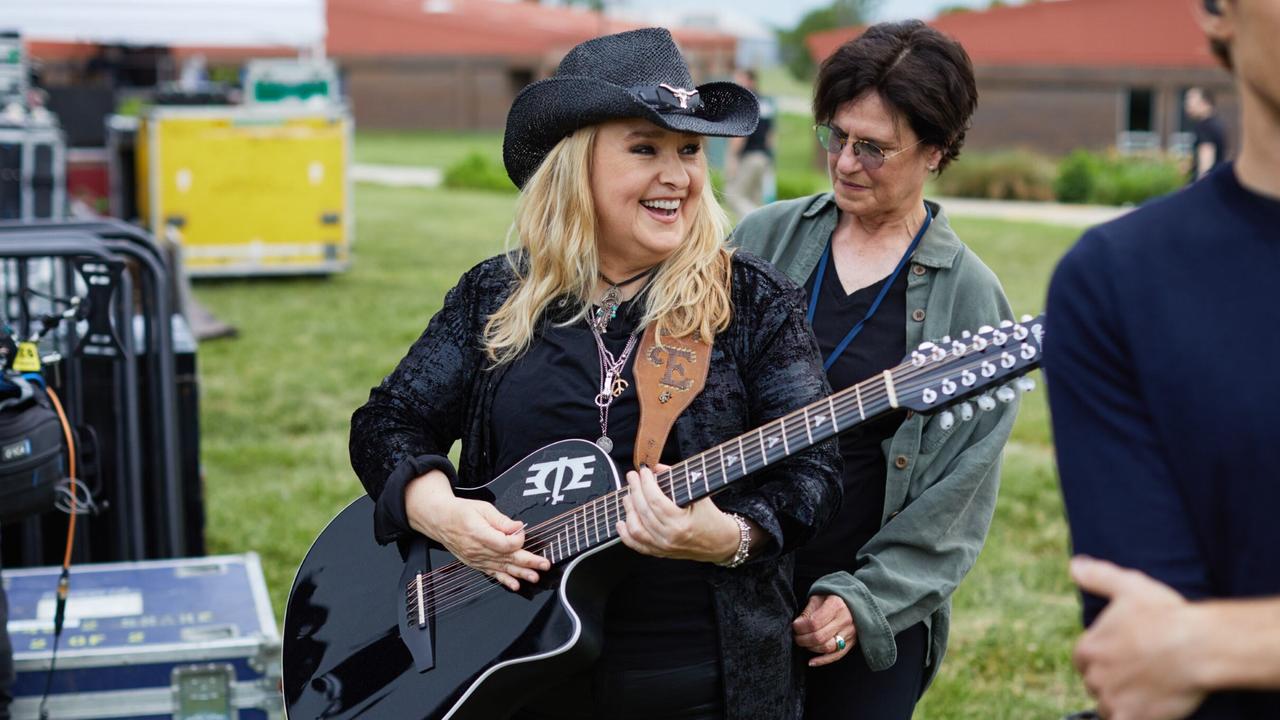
(758, 141)
(661, 615)
(1209, 130)
(881, 344)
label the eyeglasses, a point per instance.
(872, 157)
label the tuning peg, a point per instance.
(929, 396)
(1007, 361)
(999, 337)
(980, 343)
(918, 359)
(966, 335)
(1025, 384)
(1028, 351)
(988, 369)
(966, 411)
(985, 329)
(946, 340)
(946, 420)
(958, 348)
(1025, 319)
(948, 387)
(1020, 333)
(938, 353)
(926, 346)
(986, 403)
(967, 378)
(1006, 324)
(1006, 394)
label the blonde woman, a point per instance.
(618, 230)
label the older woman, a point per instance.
(883, 271)
(617, 231)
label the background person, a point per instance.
(617, 229)
(1159, 356)
(893, 106)
(749, 163)
(1209, 144)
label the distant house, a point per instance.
(443, 64)
(1061, 74)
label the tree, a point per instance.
(840, 13)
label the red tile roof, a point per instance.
(476, 28)
(1073, 33)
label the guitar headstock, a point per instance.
(983, 363)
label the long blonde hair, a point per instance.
(555, 227)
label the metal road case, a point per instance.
(33, 173)
(193, 638)
(248, 190)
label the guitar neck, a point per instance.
(595, 522)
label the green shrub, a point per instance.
(477, 172)
(1009, 175)
(1085, 177)
(1078, 177)
(794, 184)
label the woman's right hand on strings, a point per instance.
(473, 530)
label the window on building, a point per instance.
(519, 78)
(1141, 113)
(1138, 121)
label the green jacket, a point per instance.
(941, 487)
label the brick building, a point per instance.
(1061, 74)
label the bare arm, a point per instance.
(1206, 156)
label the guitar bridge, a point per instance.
(415, 603)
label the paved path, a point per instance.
(1045, 212)
(398, 175)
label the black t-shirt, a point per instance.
(881, 344)
(1209, 130)
(758, 141)
(661, 615)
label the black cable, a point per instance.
(59, 616)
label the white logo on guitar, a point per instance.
(581, 479)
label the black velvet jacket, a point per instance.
(764, 365)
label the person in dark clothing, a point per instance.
(748, 168)
(1160, 359)
(617, 232)
(884, 271)
(1209, 144)
(6, 657)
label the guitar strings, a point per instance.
(554, 528)
(463, 589)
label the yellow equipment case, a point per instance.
(249, 190)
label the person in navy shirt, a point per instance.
(1162, 338)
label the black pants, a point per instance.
(6, 658)
(680, 693)
(849, 689)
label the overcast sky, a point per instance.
(785, 13)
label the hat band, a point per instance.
(669, 99)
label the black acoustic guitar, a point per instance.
(411, 632)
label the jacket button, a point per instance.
(900, 462)
(917, 269)
(918, 314)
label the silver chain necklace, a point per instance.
(611, 383)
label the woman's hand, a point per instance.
(657, 526)
(473, 530)
(824, 618)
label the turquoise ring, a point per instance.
(840, 643)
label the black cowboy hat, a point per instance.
(639, 74)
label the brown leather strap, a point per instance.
(668, 377)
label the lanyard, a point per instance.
(875, 305)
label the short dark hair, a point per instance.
(920, 73)
(1205, 94)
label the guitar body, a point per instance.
(352, 642)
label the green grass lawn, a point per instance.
(277, 399)
(430, 149)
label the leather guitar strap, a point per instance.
(668, 377)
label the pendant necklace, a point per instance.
(611, 383)
(612, 299)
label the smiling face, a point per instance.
(898, 184)
(646, 183)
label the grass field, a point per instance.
(277, 399)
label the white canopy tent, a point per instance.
(199, 23)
